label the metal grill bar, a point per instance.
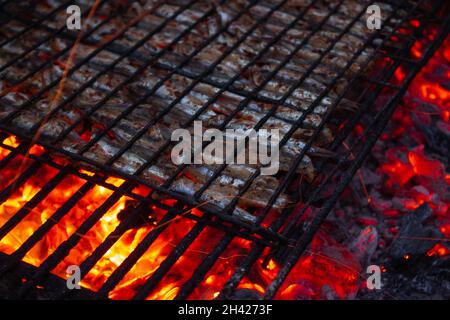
(24, 270)
(288, 178)
(6, 160)
(62, 251)
(23, 212)
(156, 277)
(107, 243)
(203, 268)
(125, 82)
(253, 256)
(299, 122)
(128, 263)
(19, 181)
(122, 190)
(144, 245)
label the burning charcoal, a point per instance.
(328, 293)
(246, 294)
(437, 136)
(151, 67)
(410, 241)
(378, 204)
(434, 279)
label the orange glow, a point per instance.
(439, 250)
(414, 177)
(429, 83)
(115, 181)
(314, 271)
(66, 227)
(328, 267)
(423, 166)
(398, 171)
(416, 50)
(433, 92)
(400, 74)
(11, 141)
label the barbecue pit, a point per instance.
(133, 237)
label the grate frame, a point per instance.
(261, 236)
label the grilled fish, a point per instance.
(250, 69)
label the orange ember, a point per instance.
(74, 218)
(93, 199)
(412, 175)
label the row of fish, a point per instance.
(228, 183)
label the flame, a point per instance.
(439, 250)
(66, 227)
(10, 141)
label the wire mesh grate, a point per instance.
(126, 79)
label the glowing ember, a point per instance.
(73, 219)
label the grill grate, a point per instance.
(288, 229)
